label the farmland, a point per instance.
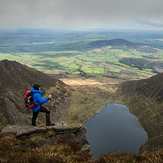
(121, 55)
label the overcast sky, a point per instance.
(81, 14)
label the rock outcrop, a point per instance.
(68, 131)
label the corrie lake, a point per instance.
(115, 129)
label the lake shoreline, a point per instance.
(114, 127)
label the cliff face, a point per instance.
(144, 98)
(15, 79)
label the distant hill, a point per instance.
(15, 79)
(114, 42)
(144, 98)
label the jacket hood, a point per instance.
(36, 91)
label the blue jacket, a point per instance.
(37, 99)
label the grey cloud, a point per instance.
(79, 13)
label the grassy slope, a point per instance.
(145, 100)
(89, 97)
(87, 101)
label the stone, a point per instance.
(20, 131)
(86, 148)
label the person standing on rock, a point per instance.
(38, 101)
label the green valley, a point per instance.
(86, 54)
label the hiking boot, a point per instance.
(50, 124)
(33, 121)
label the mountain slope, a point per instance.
(152, 87)
(144, 98)
(14, 81)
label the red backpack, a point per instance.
(28, 99)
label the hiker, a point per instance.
(38, 101)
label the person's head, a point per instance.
(36, 86)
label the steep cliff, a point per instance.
(15, 79)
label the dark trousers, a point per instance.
(35, 114)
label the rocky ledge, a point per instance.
(75, 132)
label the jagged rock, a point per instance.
(86, 148)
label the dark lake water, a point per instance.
(115, 129)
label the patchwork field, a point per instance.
(86, 54)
